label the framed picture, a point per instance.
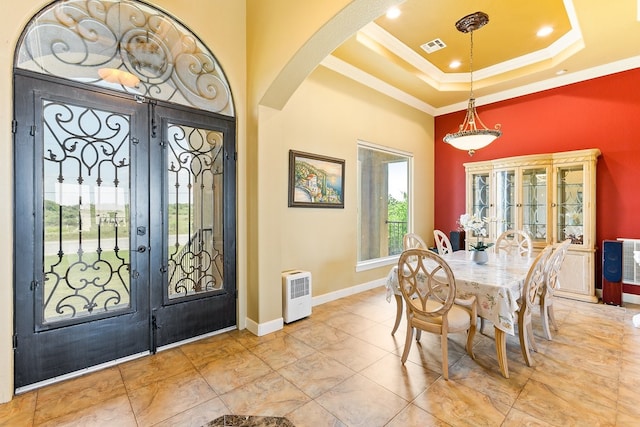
(315, 181)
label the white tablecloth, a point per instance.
(497, 285)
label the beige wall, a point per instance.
(327, 115)
(286, 39)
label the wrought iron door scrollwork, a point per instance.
(194, 210)
(94, 40)
(85, 211)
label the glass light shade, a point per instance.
(471, 137)
(472, 140)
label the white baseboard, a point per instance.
(261, 329)
(332, 296)
(628, 298)
(631, 298)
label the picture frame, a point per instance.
(315, 181)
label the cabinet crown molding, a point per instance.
(590, 154)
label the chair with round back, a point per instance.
(554, 264)
(429, 291)
(412, 240)
(512, 243)
(533, 283)
(409, 241)
(515, 242)
(442, 242)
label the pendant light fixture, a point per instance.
(472, 133)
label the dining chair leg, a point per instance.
(531, 337)
(544, 317)
(444, 342)
(552, 317)
(501, 351)
(524, 345)
(398, 313)
(524, 323)
(407, 343)
(470, 335)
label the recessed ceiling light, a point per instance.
(393, 13)
(455, 64)
(544, 31)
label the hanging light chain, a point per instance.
(472, 134)
(471, 65)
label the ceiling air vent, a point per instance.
(433, 45)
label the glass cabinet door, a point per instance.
(570, 204)
(535, 203)
(505, 200)
(480, 190)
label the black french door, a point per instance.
(196, 263)
(124, 226)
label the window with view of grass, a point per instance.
(383, 202)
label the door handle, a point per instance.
(142, 248)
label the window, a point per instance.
(383, 204)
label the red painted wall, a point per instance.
(601, 113)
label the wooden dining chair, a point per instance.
(533, 283)
(429, 291)
(409, 241)
(413, 240)
(515, 242)
(442, 242)
(512, 243)
(554, 264)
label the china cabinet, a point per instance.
(552, 198)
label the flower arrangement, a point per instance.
(478, 226)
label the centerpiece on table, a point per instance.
(478, 226)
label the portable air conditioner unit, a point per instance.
(296, 295)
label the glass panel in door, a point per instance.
(570, 220)
(534, 203)
(480, 191)
(505, 200)
(85, 212)
(480, 199)
(195, 172)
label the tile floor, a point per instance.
(341, 367)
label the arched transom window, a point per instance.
(126, 46)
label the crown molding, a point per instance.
(354, 73)
(563, 80)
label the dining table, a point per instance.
(496, 284)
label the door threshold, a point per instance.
(198, 338)
(80, 372)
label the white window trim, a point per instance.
(376, 263)
(390, 260)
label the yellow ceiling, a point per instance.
(590, 37)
